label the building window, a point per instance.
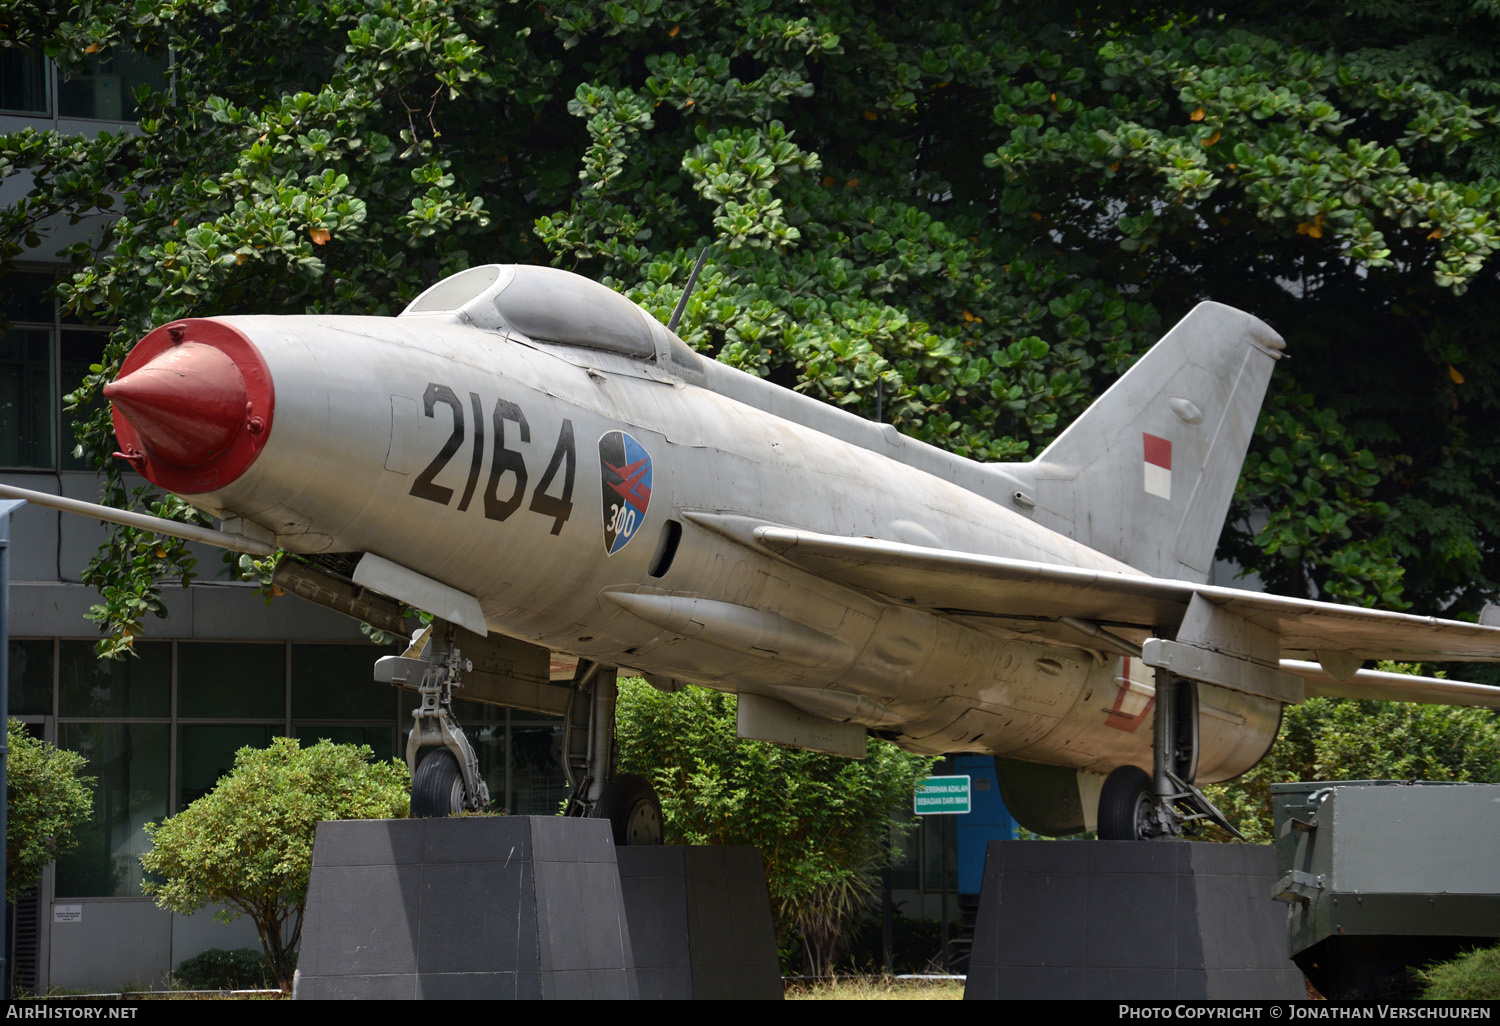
(231, 681)
(25, 80)
(30, 678)
(26, 413)
(43, 357)
(114, 688)
(104, 91)
(130, 763)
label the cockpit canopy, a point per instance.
(544, 304)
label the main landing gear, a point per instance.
(628, 801)
(445, 769)
(1137, 806)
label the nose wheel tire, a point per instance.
(437, 789)
(630, 804)
(1127, 806)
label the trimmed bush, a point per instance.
(221, 969)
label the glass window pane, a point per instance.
(538, 787)
(27, 296)
(140, 686)
(31, 678)
(206, 753)
(79, 350)
(937, 834)
(382, 740)
(336, 682)
(130, 763)
(26, 404)
(230, 680)
(107, 90)
(23, 83)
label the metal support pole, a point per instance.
(7, 507)
(943, 873)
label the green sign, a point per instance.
(938, 795)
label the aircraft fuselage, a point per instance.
(594, 504)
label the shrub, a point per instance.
(246, 846)
(1471, 977)
(220, 969)
(46, 800)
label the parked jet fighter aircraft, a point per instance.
(536, 461)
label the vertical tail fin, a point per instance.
(1146, 473)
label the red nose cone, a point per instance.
(193, 405)
(187, 404)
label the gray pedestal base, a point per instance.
(700, 922)
(1130, 919)
(483, 907)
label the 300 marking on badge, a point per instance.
(625, 469)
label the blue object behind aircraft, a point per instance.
(986, 821)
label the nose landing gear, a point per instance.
(446, 778)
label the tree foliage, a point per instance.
(970, 223)
(1333, 739)
(822, 822)
(46, 799)
(246, 846)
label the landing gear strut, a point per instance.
(447, 780)
(445, 770)
(628, 801)
(1137, 806)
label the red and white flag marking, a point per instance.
(1158, 465)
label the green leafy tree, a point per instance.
(969, 223)
(822, 822)
(246, 846)
(46, 801)
(1333, 739)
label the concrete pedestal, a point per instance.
(480, 907)
(700, 922)
(1131, 920)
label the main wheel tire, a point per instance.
(1125, 805)
(437, 789)
(630, 804)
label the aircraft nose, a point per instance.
(193, 405)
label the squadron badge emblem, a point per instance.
(625, 466)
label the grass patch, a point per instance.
(1471, 977)
(876, 988)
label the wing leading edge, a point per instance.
(1337, 637)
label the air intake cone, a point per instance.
(192, 405)
(187, 404)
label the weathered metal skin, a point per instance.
(526, 452)
(388, 439)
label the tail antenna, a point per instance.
(692, 280)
